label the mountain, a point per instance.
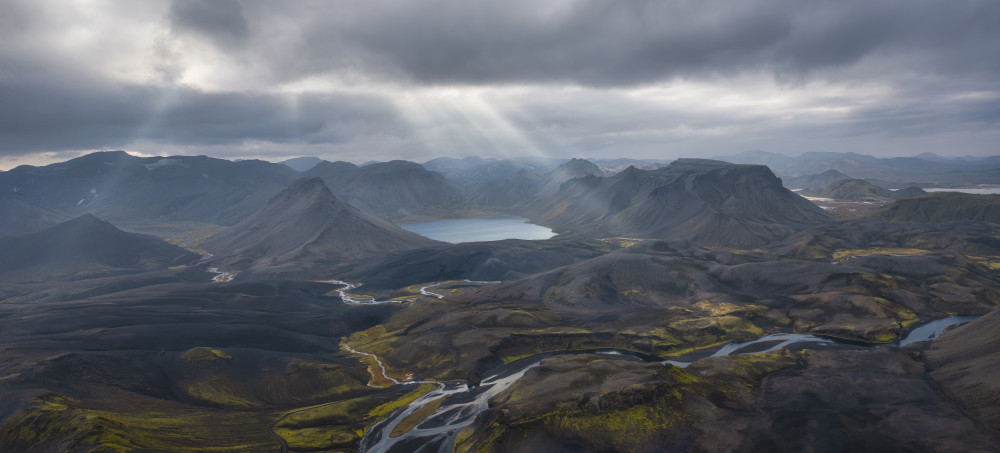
(85, 246)
(505, 194)
(478, 168)
(303, 163)
(526, 187)
(711, 202)
(619, 164)
(394, 190)
(307, 223)
(852, 190)
(575, 168)
(20, 215)
(814, 181)
(118, 186)
(943, 207)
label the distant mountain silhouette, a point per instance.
(897, 169)
(307, 223)
(525, 187)
(21, 215)
(85, 246)
(394, 190)
(302, 163)
(814, 181)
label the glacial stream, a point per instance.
(436, 433)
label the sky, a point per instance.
(400, 79)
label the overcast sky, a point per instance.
(378, 80)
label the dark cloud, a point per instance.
(612, 43)
(47, 115)
(850, 73)
(221, 21)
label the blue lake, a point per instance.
(479, 229)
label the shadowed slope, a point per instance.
(306, 222)
(84, 246)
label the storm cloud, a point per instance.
(419, 79)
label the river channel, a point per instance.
(461, 405)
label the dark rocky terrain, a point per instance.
(810, 400)
(116, 341)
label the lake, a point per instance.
(479, 229)
(977, 191)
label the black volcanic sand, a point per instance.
(965, 361)
(136, 367)
(481, 261)
(879, 400)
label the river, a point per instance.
(436, 433)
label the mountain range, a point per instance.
(919, 170)
(298, 308)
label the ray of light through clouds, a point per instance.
(379, 79)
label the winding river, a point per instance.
(461, 405)
(369, 300)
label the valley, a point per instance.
(697, 305)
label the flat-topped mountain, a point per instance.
(708, 201)
(303, 163)
(306, 222)
(85, 246)
(394, 190)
